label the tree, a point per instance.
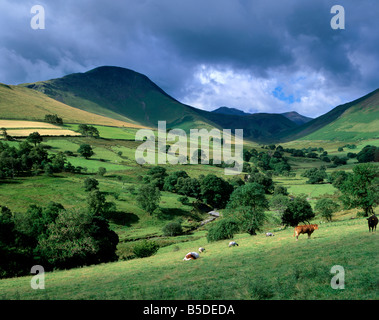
(326, 207)
(156, 176)
(101, 171)
(15, 259)
(53, 118)
(58, 161)
(90, 184)
(247, 205)
(5, 134)
(280, 190)
(189, 187)
(35, 138)
(279, 202)
(215, 191)
(89, 131)
(172, 229)
(171, 181)
(298, 210)
(145, 248)
(368, 154)
(315, 175)
(360, 189)
(86, 151)
(262, 179)
(98, 205)
(148, 198)
(222, 230)
(78, 238)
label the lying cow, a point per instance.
(309, 228)
(269, 234)
(233, 243)
(191, 256)
(372, 222)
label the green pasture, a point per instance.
(259, 268)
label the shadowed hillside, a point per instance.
(349, 121)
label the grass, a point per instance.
(260, 268)
(20, 103)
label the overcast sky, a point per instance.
(254, 55)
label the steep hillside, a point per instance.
(260, 268)
(20, 103)
(118, 93)
(354, 120)
(259, 127)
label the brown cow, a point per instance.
(309, 228)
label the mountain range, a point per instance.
(292, 115)
(122, 97)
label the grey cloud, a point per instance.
(169, 40)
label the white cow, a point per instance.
(191, 256)
(201, 249)
(233, 243)
(269, 234)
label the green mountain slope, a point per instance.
(260, 127)
(358, 119)
(20, 103)
(121, 94)
(117, 93)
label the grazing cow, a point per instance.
(372, 222)
(269, 234)
(201, 250)
(191, 256)
(309, 228)
(233, 243)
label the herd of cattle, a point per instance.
(308, 229)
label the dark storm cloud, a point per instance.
(205, 53)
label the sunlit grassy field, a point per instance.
(259, 268)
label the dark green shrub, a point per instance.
(172, 229)
(222, 229)
(184, 200)
(145, 248)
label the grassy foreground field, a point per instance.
(260, 268)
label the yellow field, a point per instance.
(42, 132)
(22, 103)
(18, 124)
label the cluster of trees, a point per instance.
(359, 189)
(244, 203)
(55, 237)
(210, 189)
(315, 175)
(270, 160)
(88, 131)
(368, 154)
(26, 159)
(53, 118)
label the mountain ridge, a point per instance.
(126, 95)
